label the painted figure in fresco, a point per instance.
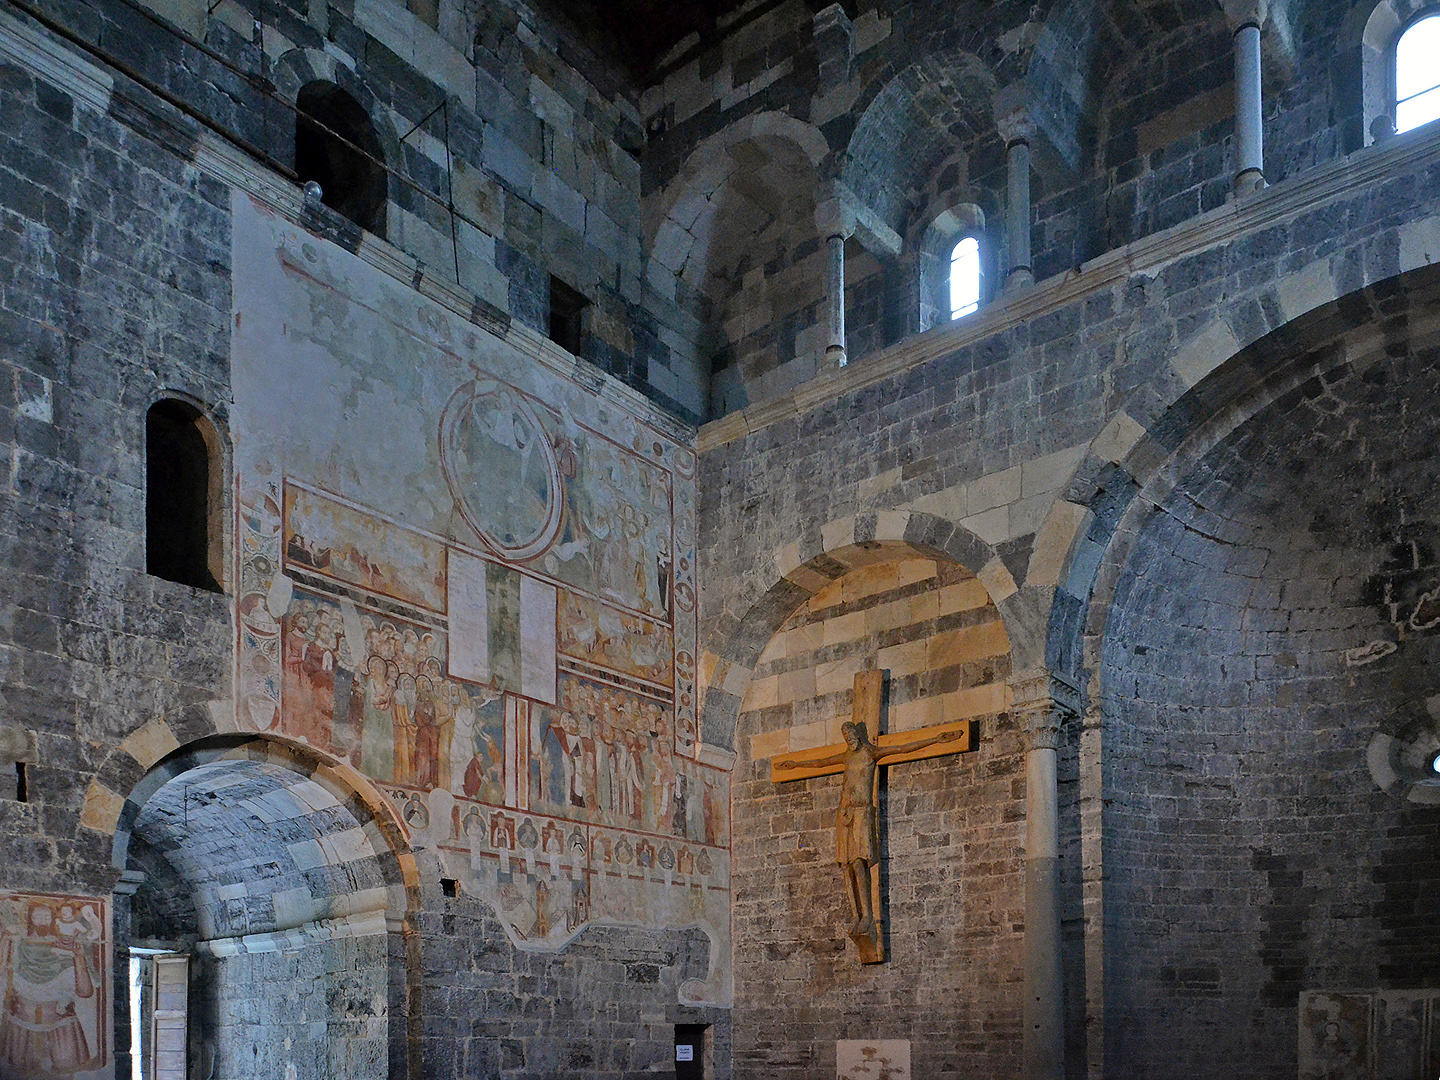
(377, 739)
(857, 840)
(427, 733)
(51, 975)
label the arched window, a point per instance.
(184, 497)
(351, 182)
(1417, 76)
(964, 277)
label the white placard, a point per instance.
(684, 1053)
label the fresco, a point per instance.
(472, 579)
(54, 962)
(326, 537)
(606, 636)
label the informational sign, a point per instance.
(684, 1053)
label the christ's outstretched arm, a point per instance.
(919, 744)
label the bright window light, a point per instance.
(1417, 75)
(964, 277)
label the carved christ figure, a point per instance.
(857, 841)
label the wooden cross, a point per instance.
(857, 848)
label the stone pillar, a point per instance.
(835, 300)
(1017, 212)
(1245, 18)
(1040, 712)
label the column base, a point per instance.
(835, 354)
(1020, 279)
(1248, 181)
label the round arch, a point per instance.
(815, 561)
(1131, 467)
(356, 824)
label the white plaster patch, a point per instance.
(41, 406)
(881, 1059)
(1205, 352)
(1307, 290)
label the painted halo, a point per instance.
(501, 469)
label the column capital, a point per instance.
(1242, 13)
(1041, 701)
(129, 883)
(1011, 109)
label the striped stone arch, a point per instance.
(385, 843)
(1212, 387)
(805, 566)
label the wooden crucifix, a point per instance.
(857, 845)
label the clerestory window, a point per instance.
(1417, 76)
(964, 277)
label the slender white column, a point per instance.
(835, 300)
(1249, 133)
(1017, 213)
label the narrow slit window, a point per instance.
(964, 278)
(184, 497)
(1417, 76)
(567, 309)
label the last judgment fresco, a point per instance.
(472, 579)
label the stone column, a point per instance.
(835, 300)
(1245, 18)
(1017, 212)
(1043, 1015)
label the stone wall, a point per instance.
(1272, 622)
(953, 880)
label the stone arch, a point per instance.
(1251, 627)
(806, 566)
(683, 219)
(937, 107)
(1216, 385)
(734, 232)
(353, 825)
(299, 68)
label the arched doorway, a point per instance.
(265, 906)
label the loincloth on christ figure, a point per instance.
(855, 834)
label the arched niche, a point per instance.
(337, 147)
(1272, 621)
(952, 828)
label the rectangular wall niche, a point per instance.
(1369, 1034)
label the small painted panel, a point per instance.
(609, 637)
(324, 536)
(1334, 1036)
(881, 1059)
(1400, 1034)
(54, 960)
